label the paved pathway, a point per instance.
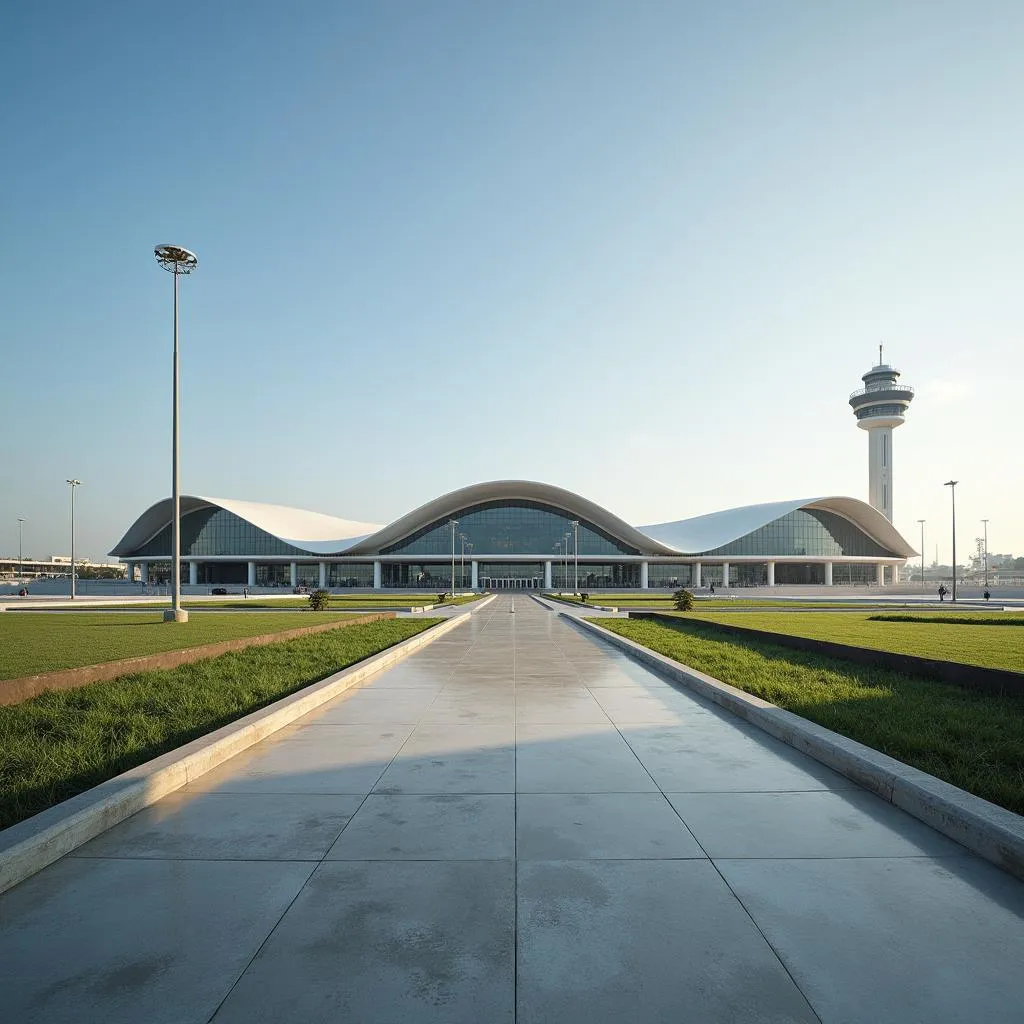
(516, 823)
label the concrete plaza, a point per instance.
(517, 823)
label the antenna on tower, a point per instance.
(880, 363)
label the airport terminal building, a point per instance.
(517, 534)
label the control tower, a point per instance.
(879, 407)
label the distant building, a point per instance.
(54, 566)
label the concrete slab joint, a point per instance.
(33, 844)
(983, 827)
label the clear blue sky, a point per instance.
(641, 250)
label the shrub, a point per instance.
(440, 598)
(583, 597)
(319, 600)
(683, 600)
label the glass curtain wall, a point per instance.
(307, 574)
(273, 574)
(804, 532)
(806, 573)
(425, 575)
(853, 573)
(670, 575)
(531, 573)
(748, 574)
(350, 574)
(508, 528)
(209, 531)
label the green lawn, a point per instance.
(973, 740)
(341, 602)
(660, 601)
(971, 643)
(66, 741)
(48, 642)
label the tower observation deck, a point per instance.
(880, 406)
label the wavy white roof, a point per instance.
(323, 535)
(708, 532)
(311, 531)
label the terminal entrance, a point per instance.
(511, 583)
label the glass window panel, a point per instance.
(804, 532)
(669, 574)
(509, 528)
(215, 531)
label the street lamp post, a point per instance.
(462, 560)
(177, 260)
(985, 521)
(453, 523)
(73, 484)
(21, 558)
(575, 556)
(565, 574)
(951, 484)
(922, 521)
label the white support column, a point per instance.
(643, 576)
(252, 574)
(144, 569)
(323, 575)
(474, 578)
(880, 574)
(696, 574)
(294, 573)
(193, 573)
(547, 574)
(828, 574)
(376, 576)
(725, 575)
(771, 574)
(130, 570)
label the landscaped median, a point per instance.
(948, 756)
(200, 715)
(970, 739)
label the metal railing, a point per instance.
(872, 389)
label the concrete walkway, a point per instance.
(516, 823)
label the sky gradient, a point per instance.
(642, 251)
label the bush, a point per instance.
(440, 598)
(319, 600)
(583, 597)
(683, 601)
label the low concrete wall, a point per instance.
(13, 691)
(992, 680)
(987, 829)
(32, 844)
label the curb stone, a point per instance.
(31, 845)
(983, 827)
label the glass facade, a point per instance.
(853, 573)
(273, 574)
(800, 572)
(668, 574)
(425, 575)
(591, 576)
(529, 572)
(350, 574)
(307, 574)
(748, 574)
(804, 532)
(508, 528)
(215, 531)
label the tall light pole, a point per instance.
(462, 560)
(985, 521)
(565, 575)
(922, 522)
(21, 559)
(178, 261)
(951, 484)
(575, 556)
(453, 523)
(73, 484)
(558, 556)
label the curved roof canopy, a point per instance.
(323, 535)
(310, 531)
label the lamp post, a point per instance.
(951, 484)
(21, 559)
(453, 523)
(985, 521)
(177, 260)
(565, 574)
(462, 560)
(922, 521)
(575, 556)
(558, 556)
(73, 484)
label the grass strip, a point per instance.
(966, 643)
(978, 619)
(51, 641)
(973, 740)
(66, 741)
(660, 601)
